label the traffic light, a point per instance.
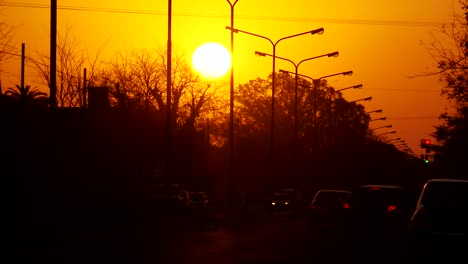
(426, 158)
(425, 143)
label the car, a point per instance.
(280, 201)
(440, 218)
(330, 208)
(380, 210)
(438, 226)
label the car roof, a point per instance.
(332, 190)
(447, 180)
(380, 186)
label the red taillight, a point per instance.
(374, 188)
(346, 205)
(391, 208)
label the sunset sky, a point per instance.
(382, 42)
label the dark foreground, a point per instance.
(281, 238)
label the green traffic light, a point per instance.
(426, 161)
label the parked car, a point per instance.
(380, 210)
(329, 207)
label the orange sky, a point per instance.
(380, 42)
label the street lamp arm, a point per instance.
(258, 53)
(391, 132)
(313, 32)
(341, 73)
(363, 99)
(332, 54)
(235, 30)
(358, 86)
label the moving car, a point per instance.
(329, 207)
(380, 210)
(280, 201)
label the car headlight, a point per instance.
(273, 203)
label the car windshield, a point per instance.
(446, 195)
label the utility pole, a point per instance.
(22, 64)
(231, 120)
(53, 54)
(84, 88)
(168, 95)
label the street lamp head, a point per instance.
(348, 73)
(359, 86)
(333, 54)
(317, 31)
(368, 98)
(261, 54)
(389, 126)
(232, 29)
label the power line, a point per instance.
(245, 17)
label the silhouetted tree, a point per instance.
(27, 97)
(71, 61)
(6, 37)
(450, 50)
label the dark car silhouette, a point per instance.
(438, 227)
(380, 210)
(329, 208)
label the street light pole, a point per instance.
(273, 85)
(316, 82)
(231, 119)
(331, 132)
(296, 66)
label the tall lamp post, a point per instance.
(231, 120)
(296, 66)
(316, 82)
(332, 92)
(273, 85)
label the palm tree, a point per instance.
(26, 96)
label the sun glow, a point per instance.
(211, 60)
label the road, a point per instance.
(281, 238)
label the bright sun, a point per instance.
(211, 60)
